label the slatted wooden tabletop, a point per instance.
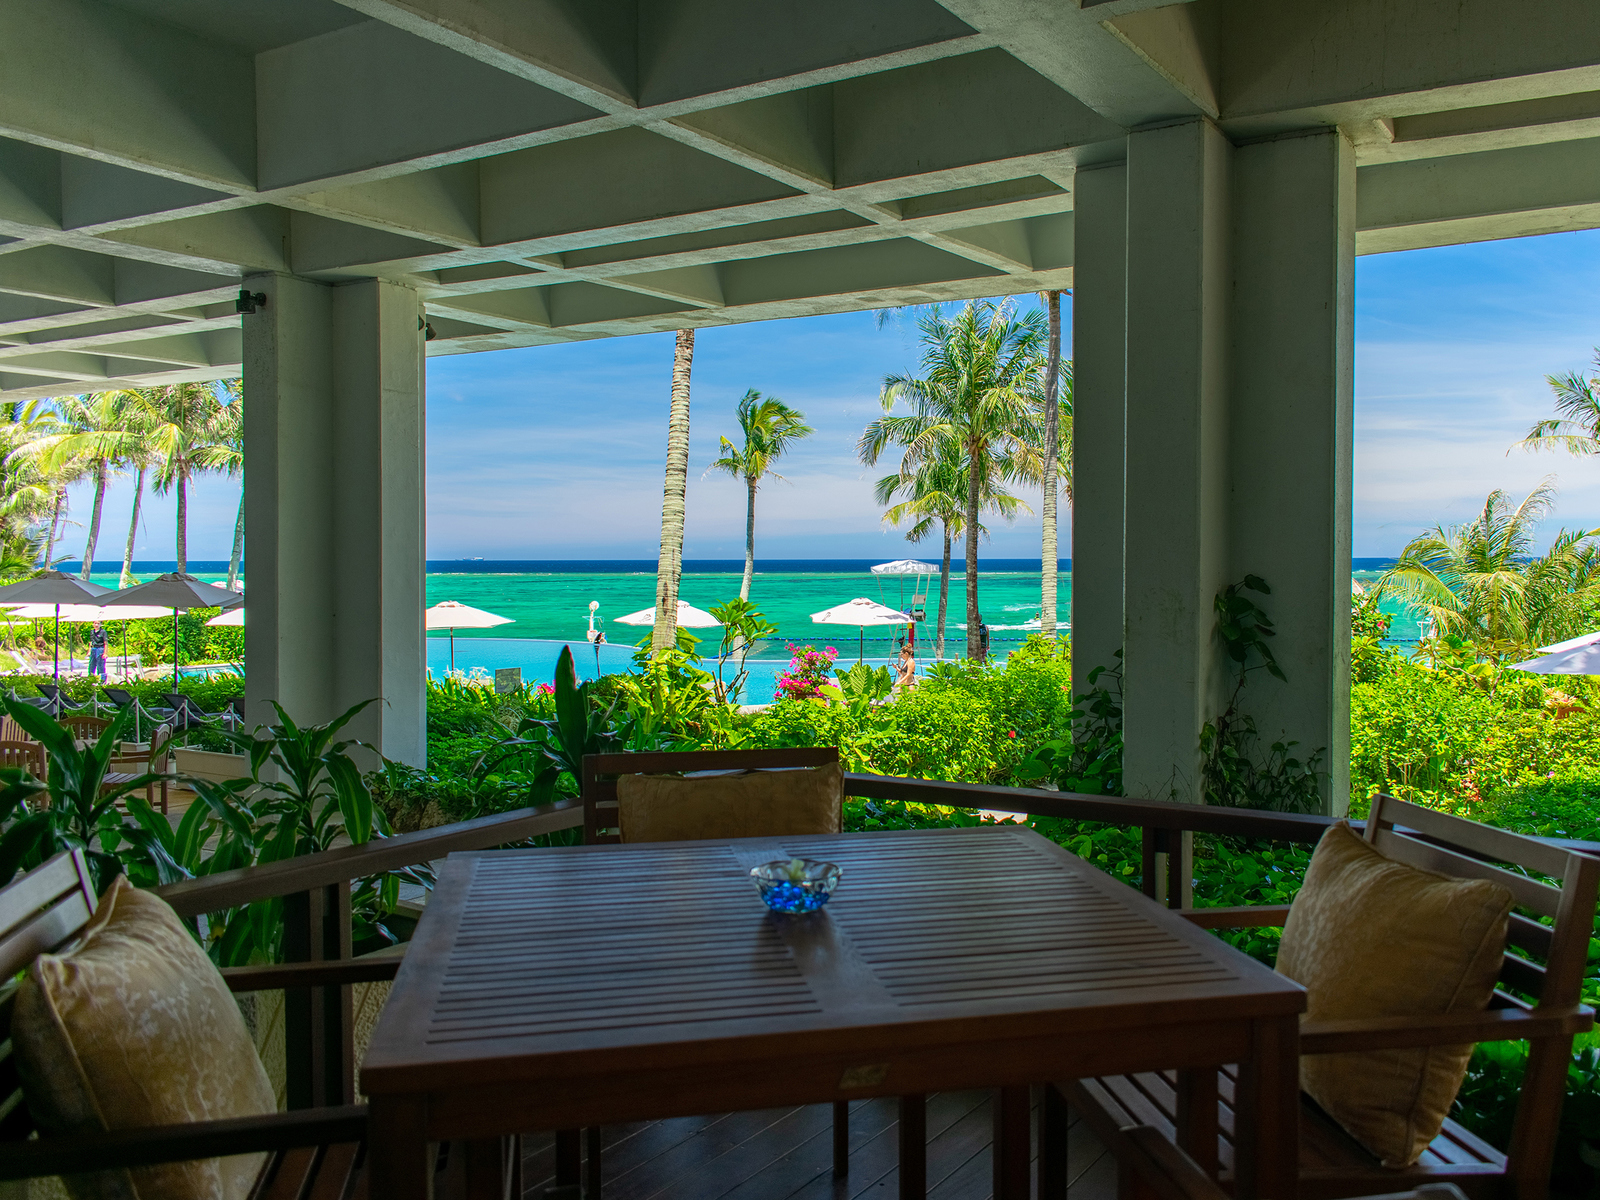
(589, 985)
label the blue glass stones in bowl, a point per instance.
(795, 885)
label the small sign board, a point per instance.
(507, 679)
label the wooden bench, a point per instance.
(311, 1152)
(1333, 1164)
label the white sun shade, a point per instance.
(861, 611)
(452, 614)
(689, 617)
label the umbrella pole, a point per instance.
(57, 648)
(452, 649)
(861, 643)
(174, 649)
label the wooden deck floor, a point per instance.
(779, 1153)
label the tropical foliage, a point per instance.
(1481, 583)
(1576, 426)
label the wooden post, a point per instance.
(1012, 1142)
(318, 1022)
(913, 1147)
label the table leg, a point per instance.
(1267, 1114)
(1012, 1143)
(913, 1147)
(398, 1164)
(1197, 1117)
(1055, 1121)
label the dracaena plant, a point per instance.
(72, 808)
(581, 725)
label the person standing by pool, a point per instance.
(97, 652)
(906, 679)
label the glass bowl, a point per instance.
(795, 885)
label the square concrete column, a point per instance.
(333, 443)
(1099, 415)
(1294, 206)
(1177, 469)
(1240, 315)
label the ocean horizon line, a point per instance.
(631, 566)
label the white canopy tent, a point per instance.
(921, 572)
(1577, 656)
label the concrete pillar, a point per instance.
(1294, 204)
(333, 384)
(1240, 307)
(1176, 531)
(1099, 416)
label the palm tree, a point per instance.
(669, 567)
(1576, 425)
(230, 435)
(142, 417)
(1482, 583)
(27, 494)
(1050, 556)
(977, 398)
(93, 435)
(937, 493)
(188, 439)
(770, 427)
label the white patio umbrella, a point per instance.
(861, 612)
(172, 593)
(54, 588)
(689, 617)
(86, 614)
(229, 616)
(454, 615)
(1579, 656)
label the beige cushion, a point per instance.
(1371, 937)
(133, 1026)
(676, 808)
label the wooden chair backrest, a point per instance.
(600, 773)
(39, 913)
(10, 731)
(154, 758)
(27, 755)
(1453, 846)
(87, 729)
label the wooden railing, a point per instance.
(316, 887)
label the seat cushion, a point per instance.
(682, 808)
(1371, 937)
(133, 1026)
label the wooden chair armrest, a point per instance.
(1445, 1029)
(182, 1143)
(310, 974)
(1251, 916)
(1168, 1171)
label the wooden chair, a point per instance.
(84, 728)
(1333, 1164)
(600, 773)
(153, 760)
(25, 754)
(599, 784)
(311, 1152)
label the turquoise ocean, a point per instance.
(548, 603)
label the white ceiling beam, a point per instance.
(102, 82)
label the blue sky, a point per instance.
(556, 451)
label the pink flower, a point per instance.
(547, 689)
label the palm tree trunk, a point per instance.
(669, 567)
(944, 591)
(749, 540)
(974, 641)
(133, 528)
(183, 523)
(238, 545)
(100, 476)
(55, 520)
(1052, 453)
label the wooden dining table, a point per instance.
(559, 988)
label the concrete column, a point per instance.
(333, 381)
(1294, 203)
(1176, 530)
(1099, 415)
